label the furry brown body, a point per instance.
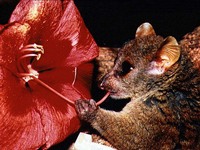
(162, 79)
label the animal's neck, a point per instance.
(187, 80)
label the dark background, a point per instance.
(113, 22)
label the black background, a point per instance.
(113, 22)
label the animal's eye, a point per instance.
(126, 68)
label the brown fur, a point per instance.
(105, 60)
(164, 111)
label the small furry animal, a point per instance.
(162, 79)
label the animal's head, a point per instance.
(144, 65)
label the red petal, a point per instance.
(42, 16)
(1, 26)
(71, 29)
(12, 36)
(18, 117)
(34, 113)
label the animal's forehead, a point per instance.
(142, 46)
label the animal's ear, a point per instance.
(166, 56)
(144, 30)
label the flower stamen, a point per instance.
(32, 48)
(75, 75)
(27, 73)
(28, 51)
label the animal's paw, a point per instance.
(86, 109)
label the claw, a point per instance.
(86, 109)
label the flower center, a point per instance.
(27, 54)
(33, 52)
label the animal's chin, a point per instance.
(118, 95)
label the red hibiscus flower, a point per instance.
(45, 55)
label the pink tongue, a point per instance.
(103, 99)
